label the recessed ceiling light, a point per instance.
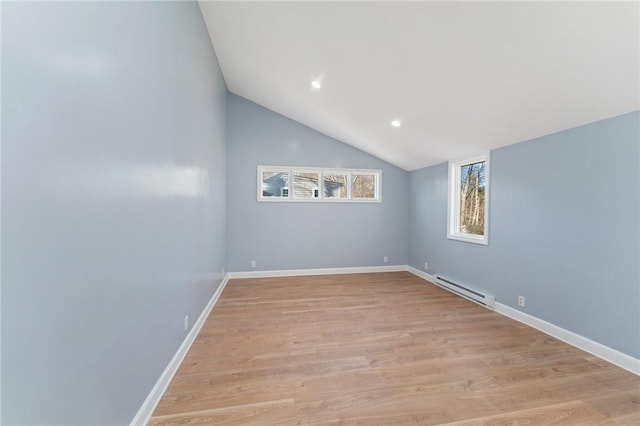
(316, 84)
(396, 123)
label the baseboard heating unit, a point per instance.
(464, 291)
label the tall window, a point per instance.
(469, 199)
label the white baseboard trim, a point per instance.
(486, 303)
(611, 355)
(149, 404)
(321, 271)
(422, 274)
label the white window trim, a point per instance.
(376, 177)
(348, 183)
(321, 172)
(453, 213)
(275, 170)
(300, 170)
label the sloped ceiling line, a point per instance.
(463, 77)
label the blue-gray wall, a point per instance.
(305, 235)
(113, 220)
(564, 230)
(113, 208)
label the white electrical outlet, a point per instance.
(253, 263)
(386, 259)
(426, 266)
(186, 322)
(521, 301)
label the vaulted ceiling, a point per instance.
(461, 77)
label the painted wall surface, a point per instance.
(305, 235)
(113, 202)
(564, 230)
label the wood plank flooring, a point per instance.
(383, 349)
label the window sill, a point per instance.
(469, 238)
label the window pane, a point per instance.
(301, 184)
(335, 185)
(363, 186)
(305, 185)
(472, 190)
(275, 184)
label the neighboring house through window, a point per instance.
(315, 184)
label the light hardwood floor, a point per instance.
(387, 348)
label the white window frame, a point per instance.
(299, 170)
(321, 172)
(453, 214)
(275, 170)
(348, 183)
(376, 179)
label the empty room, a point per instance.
(320, 213)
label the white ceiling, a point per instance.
(463, 77)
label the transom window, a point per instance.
(291, 184)
(469, 199)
